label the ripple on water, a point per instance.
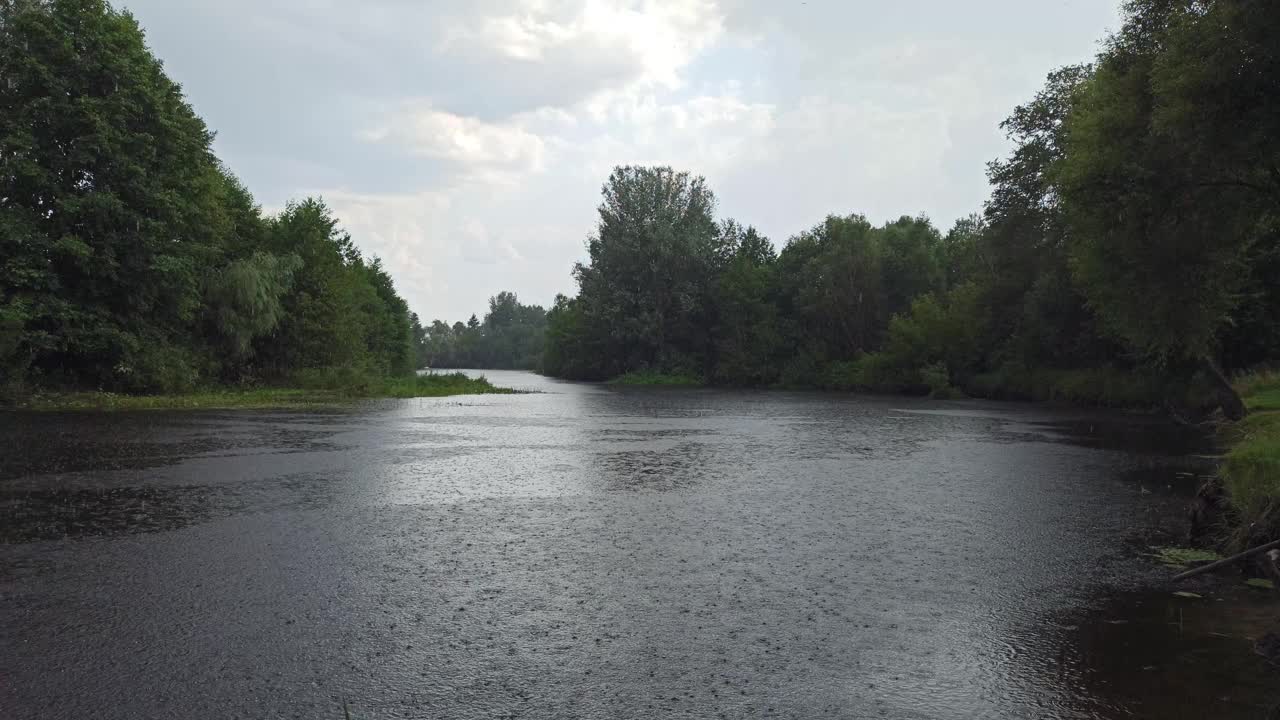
(596, 553)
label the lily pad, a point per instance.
(1263, 583)
(1182, 557)
(1185, 594)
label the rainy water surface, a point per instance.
(589, 552)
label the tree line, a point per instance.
(510, 337)
(131, 259)
(1129, 245)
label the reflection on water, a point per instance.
(597, 552)
(1142, 653)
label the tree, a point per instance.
(110, 200)
(244, 299)
(745, 330)
(1166, 209)
(130, 258)
(832, 287)
(647, 274)
(510, 336)
(911, 262)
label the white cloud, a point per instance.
(465, 141)
(473, 144)
(656, 37)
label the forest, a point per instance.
(1128, 254)
(509, 338)
(133, 260)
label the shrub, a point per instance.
(654, 377)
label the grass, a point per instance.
(319, 389)
(1179, 557)
(1260, 390)
(1251, 469)
(652, 377)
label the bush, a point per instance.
(349, 380)
(938, 380)
(1106, 387)
(653, 377)
(800, 371)
(157, 367)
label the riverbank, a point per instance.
(313, 391)
(1251, 468)
(1087, 387)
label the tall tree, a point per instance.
(646, 275)
(1167, 208)
(110, 199)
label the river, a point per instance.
(593, 552)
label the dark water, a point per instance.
(599, 553)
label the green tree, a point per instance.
(647, 273)
(110, 200)
(327, 311)
(746, 334)
(244, 299)
(1167, 210)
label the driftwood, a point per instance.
(1226, 561)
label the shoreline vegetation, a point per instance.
(1250, 470)
(316, 391)
(1102, 387)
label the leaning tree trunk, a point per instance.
(1232, 404)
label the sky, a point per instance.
(465, 141)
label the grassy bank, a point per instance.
(650, 377)
(1251, 469)
(326, 388)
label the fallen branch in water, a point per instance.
(1226, 561)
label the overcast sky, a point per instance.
(465, 141)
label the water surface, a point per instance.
(594, 552)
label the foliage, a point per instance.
(511, 336)
(109, 196)
(1251, 469)
(1169, 178)
(244, 298)
(650, 377)
(131, 260)
(317, 389)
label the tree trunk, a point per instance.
(1232, 404)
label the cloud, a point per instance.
(465, 141)
(474, 145)
(655, 39)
